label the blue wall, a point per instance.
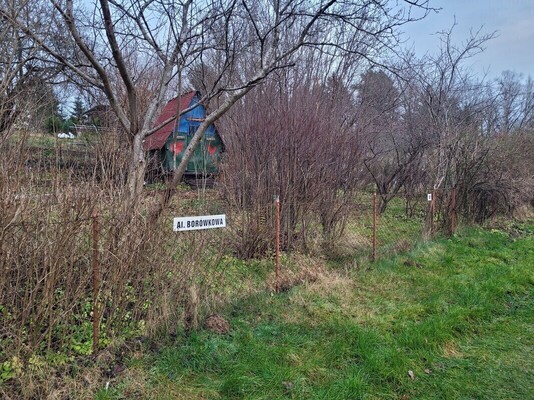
(197, 112)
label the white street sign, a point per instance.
(429, 197)
(200, 222)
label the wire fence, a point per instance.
(366, 226)
(71, 282)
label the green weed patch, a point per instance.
(453, 319)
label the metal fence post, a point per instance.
(453, 210)
(277, 271)
(96, 279)
(432, 211)
(374, 225)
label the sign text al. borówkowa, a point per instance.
(199, 222)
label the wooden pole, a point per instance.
(374, 225)
(96, 280)
(277, 272)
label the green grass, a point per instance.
(396, 231)
(459, 313)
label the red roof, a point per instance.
(158, 138)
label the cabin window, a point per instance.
(192, 130)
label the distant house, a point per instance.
(169, 142)
(100, 115)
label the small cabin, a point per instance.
(169, 142)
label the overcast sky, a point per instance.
(513, 21)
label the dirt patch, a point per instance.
(289, 279)
(217, 324)
(302, 270)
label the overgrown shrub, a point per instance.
(151, 279)
(291, 144)
(501, 182)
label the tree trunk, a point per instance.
(136, 174)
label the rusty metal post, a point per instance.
(277, 271)
(453, 210)
(375, 213)
(432, 211)
(96, 280)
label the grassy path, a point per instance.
(458, 314)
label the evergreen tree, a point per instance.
(78, 111)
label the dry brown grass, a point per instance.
(148, 274)
(450, 350)
(299, 269)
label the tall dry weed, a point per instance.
(148, 274)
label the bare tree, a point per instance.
(390, 127)
(462, 114)
(453, 102)
(276, 32)
(111, 45)
(22, 70)
(244, 42)
(514, 103)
